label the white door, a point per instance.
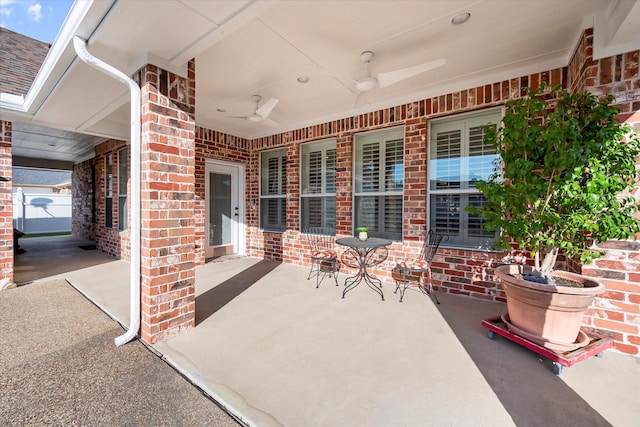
(223, 209)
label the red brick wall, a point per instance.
(618, 309)
(6, 202)
(457, 271)
(167, 202)
(212, 145)
(109, 240)
(83, 200)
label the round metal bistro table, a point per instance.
(362, 254)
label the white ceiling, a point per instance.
(243, 48)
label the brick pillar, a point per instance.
(167, 202)
(6, 206)
(617, 311)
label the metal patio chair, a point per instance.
(418, 270)
(323, 255)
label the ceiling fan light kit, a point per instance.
(260, 113)
(367, 83)
(460, 18)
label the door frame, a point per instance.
(223, 166)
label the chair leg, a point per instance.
(330, 269)
(402, 289)
(320, 272)
(311, 269)
(429, 288)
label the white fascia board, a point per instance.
(26, 107)
(11, 103)
(69, 28)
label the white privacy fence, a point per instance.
(41, 212)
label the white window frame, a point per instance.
(325, 194)
(379, 227)
(462, 122)
(280, 192)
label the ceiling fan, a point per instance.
(261, 113)
(367, 82)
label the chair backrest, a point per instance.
(320, 238)
(431, 245)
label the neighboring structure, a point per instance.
(41, 181)
(399, 170)
(41, 200)
(26, 55)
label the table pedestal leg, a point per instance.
(362, 274)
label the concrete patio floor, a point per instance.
(274, 350)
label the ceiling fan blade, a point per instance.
(269, 122)
(266, 108)
(391, 77)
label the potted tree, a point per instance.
(567, 167)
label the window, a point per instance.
(108, 191)
(318, 184)
(273, 184)
(123, 179)
(379, 181)
(458, 158)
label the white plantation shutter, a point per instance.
(108, 200)
(315, 172)
(273, 185)
(458, 157)
(318, 184)
(479, 155)
(393, 167)
(445, 213)
(379, 183)
(448, 150)
(370, 167)
(123, 180)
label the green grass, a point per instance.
(66, 233)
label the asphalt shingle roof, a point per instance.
(27, 176)
(20, 61)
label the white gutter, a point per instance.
(80, 46)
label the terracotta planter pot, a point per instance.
(550, 315)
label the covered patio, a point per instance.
(307, 114)
(274, 350)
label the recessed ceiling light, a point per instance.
(303, 79)
(460, 18)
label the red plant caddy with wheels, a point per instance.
(597, 345)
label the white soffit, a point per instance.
(616, 29)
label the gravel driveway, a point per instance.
(59, 366)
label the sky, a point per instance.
(38, 19)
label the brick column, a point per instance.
(6, 206)
(167, 202)
(617, 311)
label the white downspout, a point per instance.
(80, 46)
